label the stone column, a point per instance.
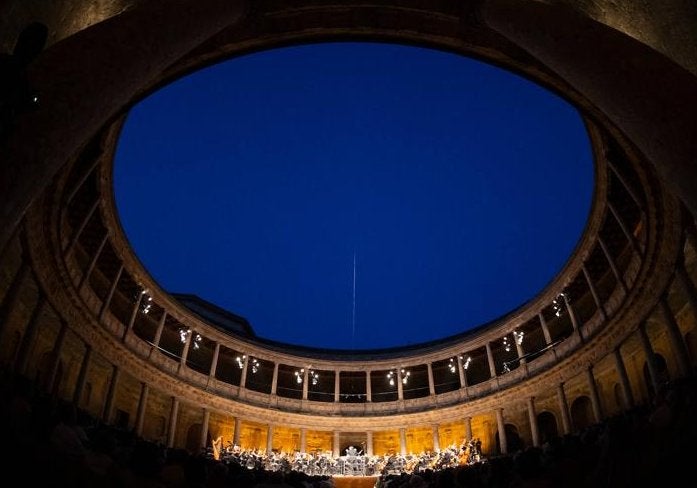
(93, 262)
(303, 440)
(236, 433)
(624, 379)
(142, 403)
(628, 187)
(564, 409)
(630, 237)
(24, 353)
(337, 385)
(520, 351)
(111, 392)
(243, 375)
(613, 266)
(336, 445)
(595, 398)
(269, 439)
(82, 376)
(490, 357)
(545, 329)
(400, 389)
(172, 428)
(436, 438)
(56, 356)
(214, 362)
(110, 295)
(158, 332)
(403, 441)
(501, 426)
(532, 417)
(78, 232)
(461, 372)
(203, 440)
(369, 443)
(572, 315)
(274, 379)
(431, 382)
(368, 387)
(676, 341)
(185, 350)
(134, 314)
(650, 356)
(468, 429)
(306, 383)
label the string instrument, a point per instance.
(411, 464)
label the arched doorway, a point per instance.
(547, 426)
(662, 374)
(193, 439)
(513, 440)
(582, 413)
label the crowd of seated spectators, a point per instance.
(49, 442)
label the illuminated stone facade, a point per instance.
(73, 293)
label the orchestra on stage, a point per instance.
(353, 463)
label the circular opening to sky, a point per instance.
(355, 195)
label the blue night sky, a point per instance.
(461, 189)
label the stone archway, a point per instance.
(193, 438)
(547, 425)
(582, 413)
